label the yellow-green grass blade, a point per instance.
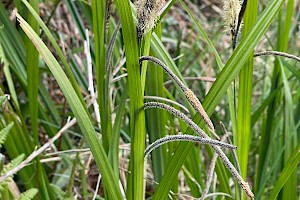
(223, 81)
(83, 119)
(289, 168)
(32, 69)
(258, 112)
(243, 134)
(145, 50)
(192, 164)
(8, 77)
(288, 191)
(99, 28)
(284, 25)
(14, 51)
(292, 68)
(272, 170)
(135, 181)
(289, 137)
(13, 46)
(155, 118)
(58, 51)
(113, 154)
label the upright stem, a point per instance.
(135, 181)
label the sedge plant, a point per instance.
(122, 100)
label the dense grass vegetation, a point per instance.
(149, 99)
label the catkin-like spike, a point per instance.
(190, 138)
(147, 13)
(231, 15)
(178, 114)
(198, 107)
(277, 53)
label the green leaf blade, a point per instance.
(79, 111)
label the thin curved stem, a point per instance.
(189, 138)
(235, 158)
(277, 53)
(202, 78)
(178, 114)
(166, 69)
(189, 94)
(168, 101)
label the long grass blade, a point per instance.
(79, 111)
(155, 119)
(287, 171)
(266, 136)
(243, 133)
(99, 27)
(32, 61)
(135, 180)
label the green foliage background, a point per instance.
(44, 72)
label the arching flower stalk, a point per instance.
(189, 94)
(189, 138)
(206, 139)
